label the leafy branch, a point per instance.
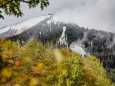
(12, 7)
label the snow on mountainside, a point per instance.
(63, 38)
(74, 46)
(33, 24)
(39, 23)
(50, 29)
(54, 20)
(24, 25)
(77, 48)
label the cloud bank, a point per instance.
(94, 14)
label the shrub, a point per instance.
(34, 65)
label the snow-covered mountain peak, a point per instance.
(53, 19)
(20, 27)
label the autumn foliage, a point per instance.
(36, 65)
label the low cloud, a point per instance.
(96, 14)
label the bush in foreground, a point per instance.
(36, 65)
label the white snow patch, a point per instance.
(49, 22)
(78, 49)
(4, 30)
(53, 19)
(24, 25)
(63, 39)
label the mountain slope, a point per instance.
(78, 39)
(20, 27)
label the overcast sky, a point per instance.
(96, 14)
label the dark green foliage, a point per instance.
(111, 74)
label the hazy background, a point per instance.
(96, 14)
